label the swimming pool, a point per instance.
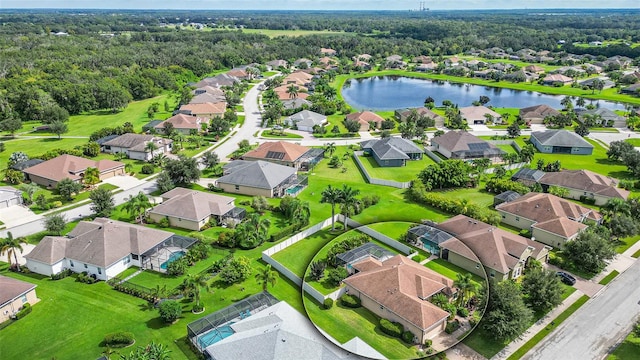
(175, 256)
(215, 335)
(294, 190)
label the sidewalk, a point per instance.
(535, 328)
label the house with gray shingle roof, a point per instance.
(192, 209)
(305, 120)
(585, 184)
(102, 248)
(135, 146)
(392, 151)
(602, 117)
(258, 178)
(560, 142)
(465, 146)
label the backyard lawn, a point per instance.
(298, 256)
(343, 324)
(450, 270)
(35, 146)
(400, 173)
(393, 229)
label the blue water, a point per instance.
(294, 189)
(175, 256)
(215, 335)
(393, 92)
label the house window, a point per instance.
(492, 273)
(71, 263)
(504, 217)
(237, 187)
(517, 218)
(477, 266)
(135, 257)
(85, 266)
(24, 298)
(99, 271)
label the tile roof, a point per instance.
(205, 108)
(207, 98)
(538, 111)
(182, 121)
(423, 111)
(12, 288)
(557, 78)
(101, 242)
(403, 286)
(477, 113)
(256, 174)
(193, 205)
(585, 180)
(365, 117)
(69, 166)
(277, 150)
(496, 248)
(218, 81)
(560, 138)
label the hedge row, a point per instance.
(61, 275)
(391, 328)
(26, 309)
(498, 186)
(134, 290)
(350, 301)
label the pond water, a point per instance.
(397, 92)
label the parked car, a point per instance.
(566, 278)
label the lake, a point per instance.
(397, 92)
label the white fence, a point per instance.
(299, 236)
(385, 239)
(375, 181)
(428, 150)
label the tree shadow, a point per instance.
(157, 323)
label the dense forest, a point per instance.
(110, 58)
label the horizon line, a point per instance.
(312, 10)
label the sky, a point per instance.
(316, 4)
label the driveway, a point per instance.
(124, 182)
(16, 215)
(588, 287)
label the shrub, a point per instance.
(26, 309)
(170, 311)
(351, 301)
(237, 270)
(475, 319)
(164, 222)
(428, 343)
(328, 303)
(177, 267)
(147, 169)
(84, 277)
(452, 326)
(407, 337)
(197, 308)
(391, 328)
(588, 200)
(61, 275)
(463, 312)
(418, 258)
(525, 233)
(336, 275)
(118, 339)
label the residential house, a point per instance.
(392, 151)
(301, 61)
(365, 119)
(9, 196)
(328, 52)
(631, 89)
(505, 197)
(284, 93)
(585, 184)
(429, 67)
(259, 178)
(299, 78)
(399, 289)
(462, 145)
(479, 115)
(295, 103)
(191, 209)
(103, 248)
(452, 61)
(211, 90)
(552, 220)
(395, 62)
(428, 237)
(205, 110)
(602, 117)
(207, 97)
(276, 64)
(306, 120)
(537, 113)
(146, 128)
(241, 74)
(477, 245)
(285, 153)
(403, 114)
(258, 328)
(422, 59)
(536, 69)
(362, 65)
(528, 176)
(560, 142)
(589, 83)
(185, 124)
(553, 79)
(14, 294)
(218, 81)
(328, 63)
(50, 172)
(136, 146)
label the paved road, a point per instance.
(598, 326)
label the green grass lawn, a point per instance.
(634, 141)
(607, 279)
(298, 256)
(36, 146)
(626, 243)
(393, 229)
(509, 149)
(401, 173)
(279, 135)
(636, 254)
(343, 324)
(547, 330)
(450, 270)
(628, 350)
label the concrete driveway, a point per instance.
(588, 287)
(124, 182)
(16, 215)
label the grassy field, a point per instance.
(276, 33)
(298, 256)
(401, 173)
(343, 324)
(393, 229)
(626, 243)
(34, 146)
(547, 330)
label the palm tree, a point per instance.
(332, 196)
(330, 93)
(330, 148)
(160, 160)
(91, 176)
(191, 287)
(10, 246)
(179, 138)
(301, 213)
(137, 205)
(348, 200)
(466, 288)
(30, 189)
(266, 277)
(150, 147)
(292, 90)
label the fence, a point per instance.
(297, 237)
(385, 239)
(375, 181)
(433, 156)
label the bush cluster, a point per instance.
(177, 267)
(587, 200)
(284, 232)
(136, 291)
(26, 309)
(61, 275)
(84, 277)
(147, 169)
(462, 311)
(328, 303)
(118, 339)
(391, 328)
(497, 186)
(344, 246)
(452, 326)
(407, 337)
(418, 194)
(350, 301)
